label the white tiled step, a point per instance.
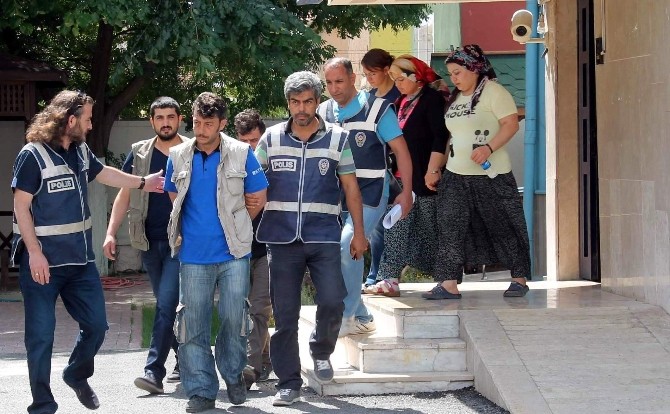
(369, 384)
(373, 354)
(381, 352)
(348, 380)
(410, 318)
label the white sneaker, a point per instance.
(347, 325)
(354, 326)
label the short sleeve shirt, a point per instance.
(470, 129)
(388, 128)
(28, 174)
(203, 238)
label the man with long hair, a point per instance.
(53, 243)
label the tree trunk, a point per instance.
(97, 88)
(107, 109)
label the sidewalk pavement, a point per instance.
(124, 319)
(121, 360)
(567, 347)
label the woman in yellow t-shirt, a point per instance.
(482, 220)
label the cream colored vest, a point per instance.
(139, 200)
(231, 172)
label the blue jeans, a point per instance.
(287, 270)
(81, 291)
(194, 324)
(352, 270)
(376, 251)
(163, 272)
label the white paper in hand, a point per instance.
(394, 215)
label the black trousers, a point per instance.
(287, 270)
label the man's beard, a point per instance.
(168, 137)
(304, 122)
(76, 135)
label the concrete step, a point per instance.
(390, 365)
(375, 354)
(412, 317)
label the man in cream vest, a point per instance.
(149, 215)
(210, 227)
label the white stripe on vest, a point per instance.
(306, 207)
(58, 229)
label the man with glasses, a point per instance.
(53, 242)
(371, 124)
(148, 219)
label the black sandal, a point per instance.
(438, 292)
(516, 290)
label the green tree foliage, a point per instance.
(126, 52)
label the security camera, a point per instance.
(522, 21)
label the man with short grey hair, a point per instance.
(306, 161)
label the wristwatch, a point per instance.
(142, 182)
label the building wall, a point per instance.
(353, 49)
(562, 185)
(11, 134)
(396, 43)
(633, 105)
(447, 26)
(487, 24)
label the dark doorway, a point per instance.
(589, 226)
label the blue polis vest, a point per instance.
(303, 199)
(367, 147)
(60, 209)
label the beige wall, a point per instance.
(562, 200)
(353, 49)
(633, 98)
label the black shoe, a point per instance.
(323, 369)
(149, 383)
(516, 290)
(86, 395)
(438, 292)
(237, 393)
(174, 376)
(197, 404)
(265, 374)
(250, 376)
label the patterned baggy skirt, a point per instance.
(412, 241)
(480, 221)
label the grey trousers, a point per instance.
(258, 348)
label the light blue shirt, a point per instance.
(388, 128)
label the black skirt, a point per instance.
(480, 221)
